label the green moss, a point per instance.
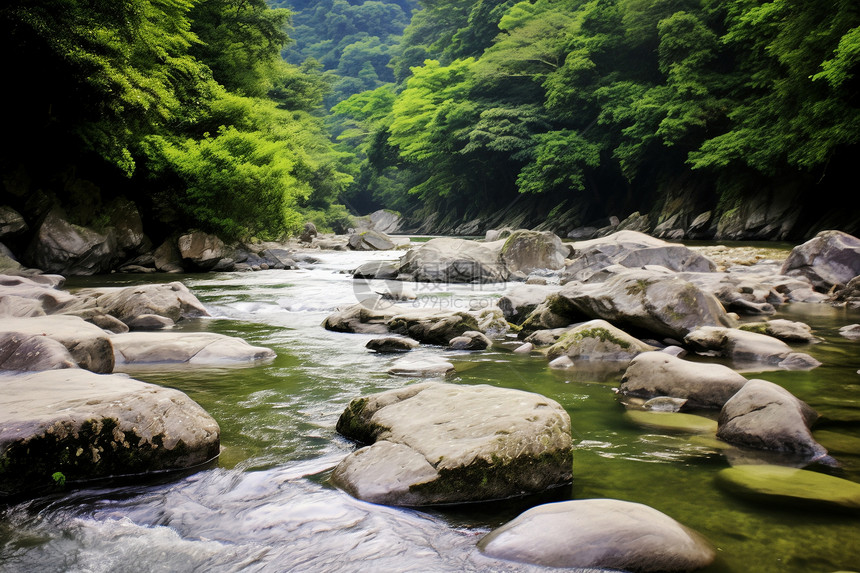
(568, 339)
(757, 327)
(640, 287)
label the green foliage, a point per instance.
(561, 159)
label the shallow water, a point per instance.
(267, 506)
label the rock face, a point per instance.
(444, 443)
(597, 340)
(89, 345)
(653, 302)
(199, 250)
(599, 533)
(32, 353)
(60, 247)
(790, 487)
(197, 348)
(659, 374)
(527, 251)
(830, 258)
(90, 426)
(453, 260)
(385, 221)
(765, 416)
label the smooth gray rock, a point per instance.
(785, 330)
(703, 385)
(126, 221)
(89, 345)
(32, 353)
(454, 260)
(526, 251)
(597, 340)
(370, 240)
(477, 443)
(199, 250)
(196, 348)
(171, 300)
(766, 416)
(599, 533)
(830, 258)
(740, 346)
(421, 367)
(521, 300)
(29, 296)
(90, 426)
(851, 331)
(166, 257)
(470, 340)
(391, 344)
(67, 249)
(149, 322)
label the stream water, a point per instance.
(267, 506)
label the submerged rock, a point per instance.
(421, 367)
(444, 443)
(197, 348)
(88, 426)
(672, 421)
(599, 533)
(790, 487)
(659, 374)
(745, 347)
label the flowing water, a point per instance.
(267, 505)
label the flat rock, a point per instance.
(445, 443)
(32, 353)
(791, 487)
(421, 367)
(672, 421)
(88, 426)
(197, 348)
(391, 344)
(599, 533)
(89, 345)
(659, 374)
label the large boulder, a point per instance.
(126, 221)
(744, 347)
(87, 426)
(522, 300)
(527, 251)
(434, 443)
(89, 345)
(785, 330)
(654, 302)
(370, 240)
(67, 249)
(703, 385)
(11, 222)
(597, 340)
(199, 250)
(32, 296)
(198, 348)
(830, 258)
(433, 327)
(600, 534)
(453, 261)
(32, 353)
(763, 415)
(171, 300)
(385, 221)
(634, 250)
(167, 258)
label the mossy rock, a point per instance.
(673, 421)
(791, 487)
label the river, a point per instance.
(267, 506)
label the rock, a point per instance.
(278, 258)
(309, 231)
(703, 385)
(385, 221)
(798, 361)
(830, 258)
(554, 314)
(199, 250)
(522, 300)
(526, 348)
(672, 421)
(32, 353)
(634, 250)
(11, 222)
(645, 300)
(700, 228)
(599, 533)
(126, 221)
(376, 270)
(527, 251)
(196, 348)
(546, 337)
(785, 330)
(166, 257)
(665, 404)
(89, 426)
(433, 327)
(421, 367)
(60, 247)
(8, 261)
(740, 346)
(563, 362)
(89, 345)
(493, 235)
(107, 322)
(371, 241)
(851, 331)
(470, 340)
(465, 443)
(848, 296)
(170, 300)
(791, 488)
(391, 344)
(149, 322)
(360, 318)
(675, 351)
(766, 416)
(449, 260)
(29, 296)
(597, 340)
